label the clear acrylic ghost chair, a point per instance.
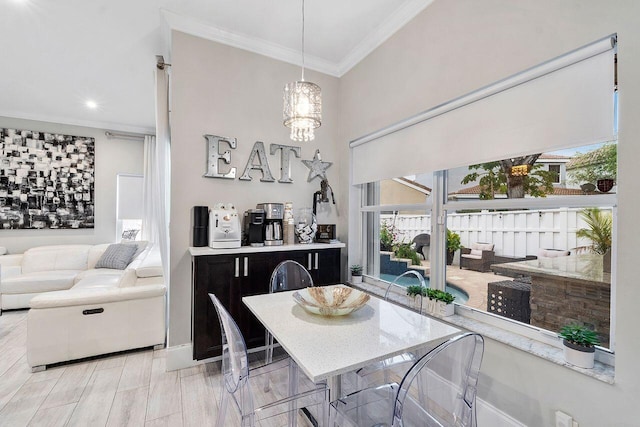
(369, 375)
(439, 390)
(278, 406)
(287, 276)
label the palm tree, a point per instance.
(598, 229)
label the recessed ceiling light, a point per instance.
(91, 104)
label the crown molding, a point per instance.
(382, 33)
(173, 21)
(189, 25)
(74, 122)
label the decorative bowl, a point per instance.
(336, 300)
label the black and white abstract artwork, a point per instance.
(46, 180)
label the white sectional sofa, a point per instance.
(78, 310)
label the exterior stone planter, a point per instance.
(582, 357)
(438, 308)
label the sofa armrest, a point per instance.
(11, 260)
(464, 251)
(10, 271)
(92, 296)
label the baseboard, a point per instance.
(489, 415)
(180, 357)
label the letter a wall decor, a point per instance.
(46, 180)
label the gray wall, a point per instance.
(220, 90)
(456, 46)
(113, 156)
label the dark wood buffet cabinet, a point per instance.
(234, 273)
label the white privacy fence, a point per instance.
(514, 233)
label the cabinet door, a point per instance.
(219, 275)
(326, 271)
(256, 273)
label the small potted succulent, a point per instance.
(440, 302)
(413, 291)
(356, 273)
(579, 345)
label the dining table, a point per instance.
(325, 347)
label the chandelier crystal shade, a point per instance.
(302, 111)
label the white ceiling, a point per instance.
(57, 54)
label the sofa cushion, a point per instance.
(481, 247)
(476, 252)
(99, 281)
(40, 281)
(151, 265)
(552, 253)
(61, 257)
(472, 256)
(117, 256)
(99, 272)
(95, 253)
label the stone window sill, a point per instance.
(601, 371)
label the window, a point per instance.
(129, 207)
(556, 170)
(528, 246)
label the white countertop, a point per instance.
(327, 346)
(253, 249)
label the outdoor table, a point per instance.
(324, 347)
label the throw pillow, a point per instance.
(117, 256)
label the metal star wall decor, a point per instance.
(317, 168)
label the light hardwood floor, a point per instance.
(128, 389)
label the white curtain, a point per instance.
(157, 175)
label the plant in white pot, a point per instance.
(356, 273)
(440, 302)
(413, 292)
(579, 345)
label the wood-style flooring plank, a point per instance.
(164, 392)
(13, 379)
(173, 420)
(48, 374)
(57, 416)
(137, 370)
(70, 385)
(25, 403)
(129, 408)
(95, 403)
(115, 361)
(199, 405)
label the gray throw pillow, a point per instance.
(117, 256)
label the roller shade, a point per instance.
(129, 197)
(565, 102)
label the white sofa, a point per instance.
(79, 311)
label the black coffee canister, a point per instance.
(200, 226)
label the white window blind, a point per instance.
(129, 196)
(567, 101)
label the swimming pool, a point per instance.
(461, 296)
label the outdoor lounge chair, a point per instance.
(478, 257)
(422, 241)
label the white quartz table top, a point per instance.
(324, 346)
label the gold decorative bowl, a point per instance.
(336, 300)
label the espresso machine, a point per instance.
(224, 226)
(253, 227)
(272, 228)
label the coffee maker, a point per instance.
(253, 225)
(272, 228)
(224, 226)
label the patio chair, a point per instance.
(438, 390)
(288, 275)
(369, 375)
(478, 257)
(239, 383)
(422, 241)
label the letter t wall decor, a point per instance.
(46, 180)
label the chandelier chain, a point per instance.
(302, 40)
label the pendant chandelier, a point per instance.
(302, 111)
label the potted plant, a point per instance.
(579, 345)
(440, 302)
(412, 292)
(356, 273)
(453, 244)
(598, 230)
(405, 251)
(387, 237)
